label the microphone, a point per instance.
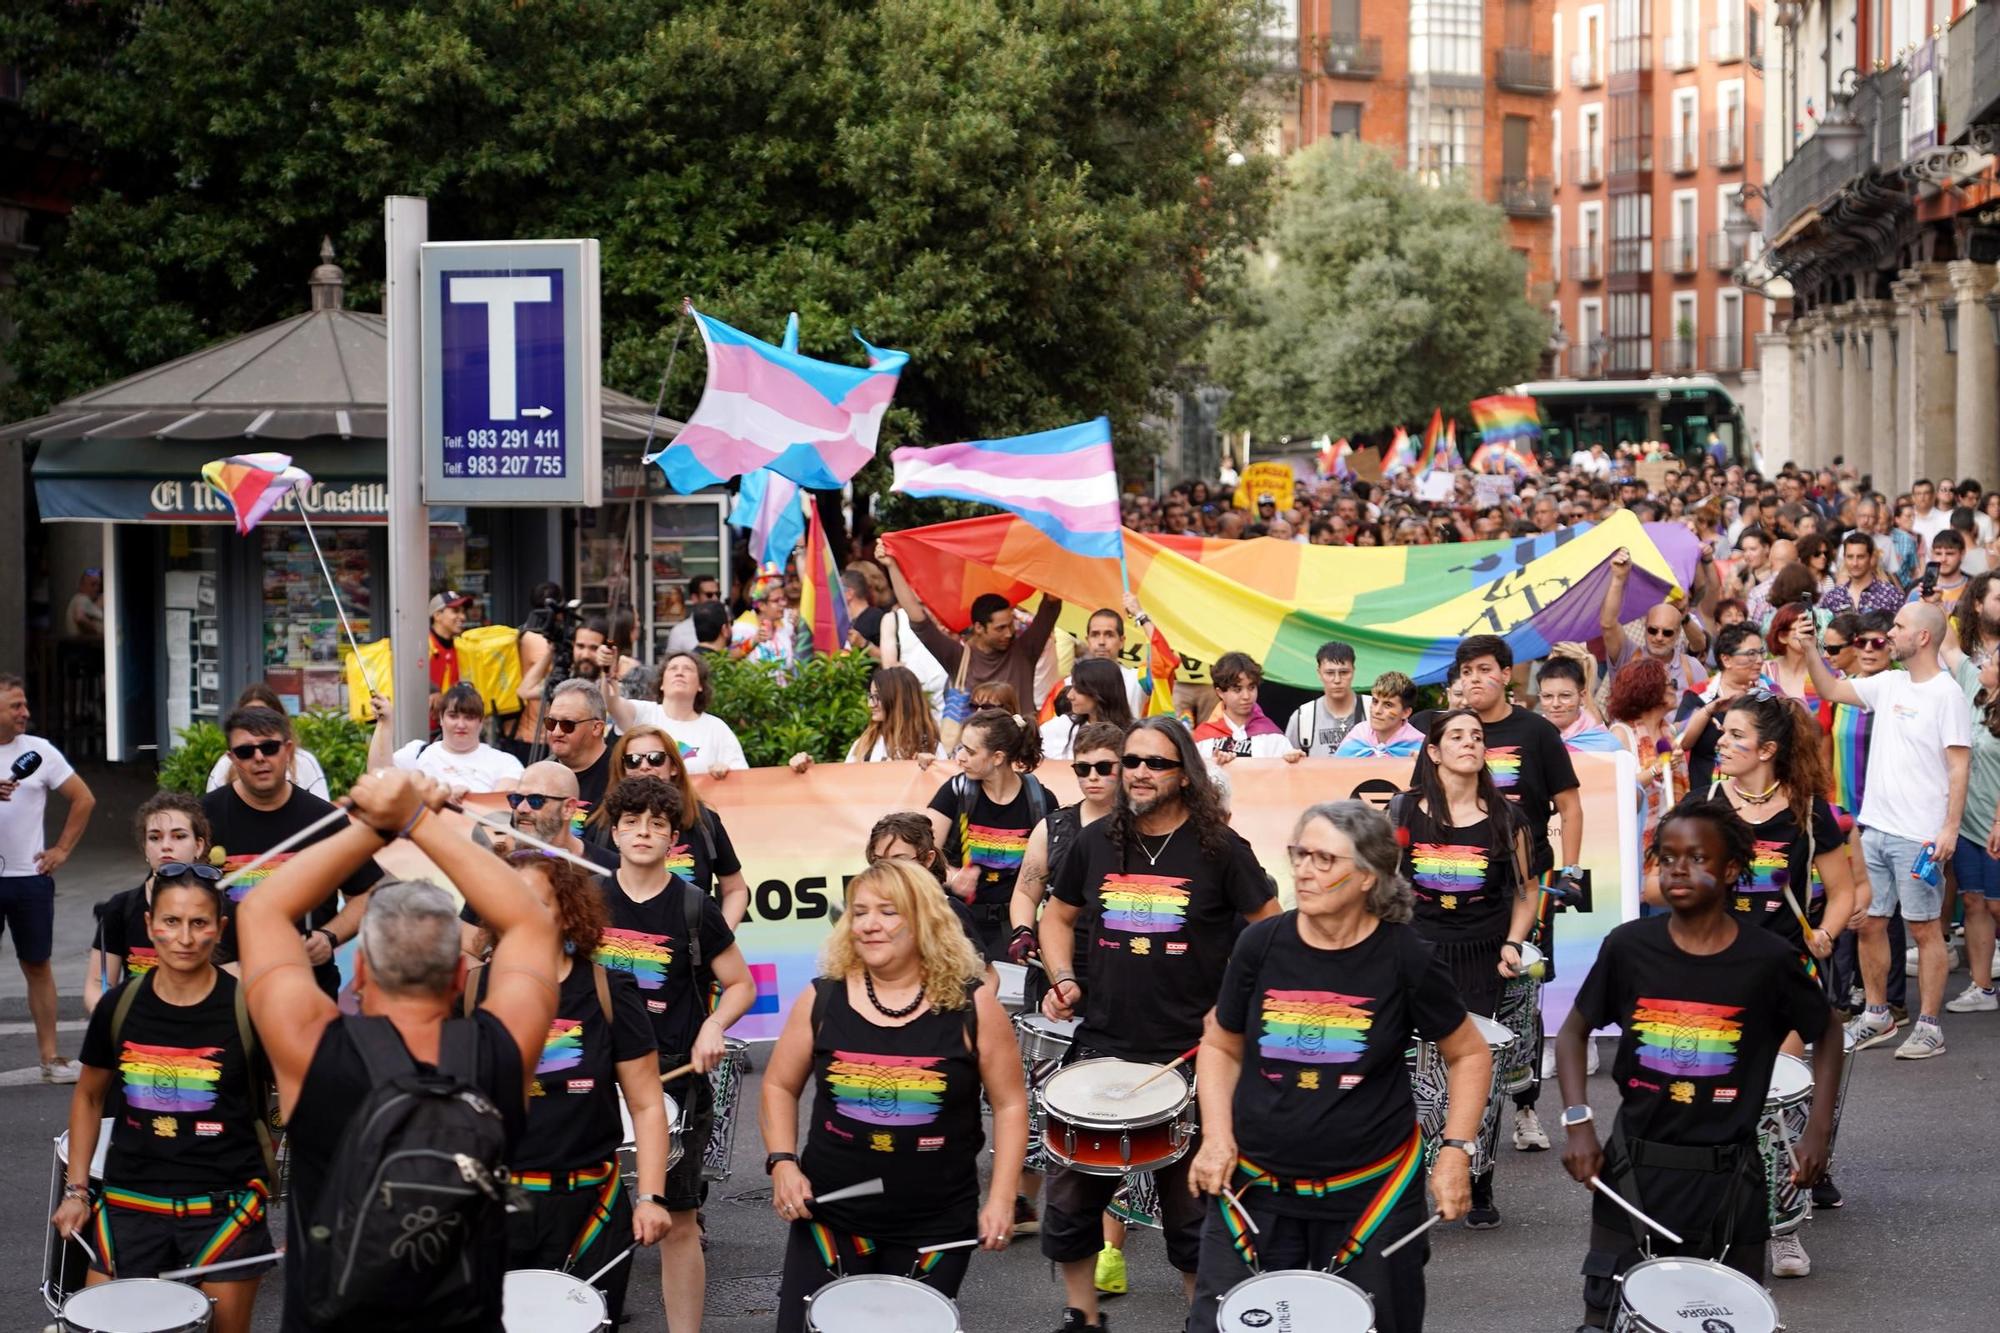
(26, 765)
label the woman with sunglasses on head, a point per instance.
(306, 771)
(1307, 1112)
(707, 859)
(900, 724)
(189, 1170)
(1096, 694)
(1739, 655)
(173, 832)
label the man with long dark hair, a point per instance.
(1164, 886)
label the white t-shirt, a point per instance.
(878, 753)
(914, 655)
(706, 741)
(1270, 745)
(1315, 729)
(1908, 786)
(21, 815)
(1927, 527)
(484, 769)
(306, 774)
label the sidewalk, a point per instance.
(107, 859)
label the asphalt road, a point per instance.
(1914, 1249)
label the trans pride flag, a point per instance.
(1064, 482)
(768, 506)
(813, 422)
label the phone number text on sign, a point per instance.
(504, 453)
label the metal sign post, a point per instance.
(512, 411)
(407, 224)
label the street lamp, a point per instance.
(1739, 226)
(1838, 127)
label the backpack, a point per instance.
(263, 1095)
(963, 788)
(413, 1213)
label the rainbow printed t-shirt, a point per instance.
(901, 1091)
(1144, 904)
(1314, 1027)
(647, 957)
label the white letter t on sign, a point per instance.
(500, 296)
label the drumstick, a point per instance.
(1161, 1072)
(272, 1257)
(522, 835)
(77, 1236)
(948, 1245)
(1429, 1222)
(623, 1255)
(673, 1074)
(1241, 1211)
(1613, 1195)
(861, 1191)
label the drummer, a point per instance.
(900, 1040)
(1320, 1140)
(1703, 1004)
(1465, 855)
(186, 1180)
(599, 1045)
(659, 924)
(1163, 885)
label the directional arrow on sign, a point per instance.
(536, 412)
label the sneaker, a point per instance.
(1484, 1215)
(1924, 1041)
(1826, 1194)
(1027, 1222)
(1111, 1271)
(1074, 1322)
(1871, 1029)
(1788, 1256)
(1952, 958)
(60, 1070)
(1974, 1000)
(1529, 1136)
(1900, 1015)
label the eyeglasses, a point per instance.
(1324, 862)
(1104, 768)
(534, 800)
(563, 726)
(1871, 643)
(1151, 762)
(652, 759)
(175, 869)
(1833, 645)
(265, 748)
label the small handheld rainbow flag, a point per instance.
(1446, 459)
(1433, 434)
(821, 603)
(1401, 455)
(1334, 460)
(1509, 419)
(253, 483)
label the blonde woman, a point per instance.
(899, 1043)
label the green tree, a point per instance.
(1029, 196)
(1383, 298)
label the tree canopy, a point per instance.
(1379, 298)
(1028, 196)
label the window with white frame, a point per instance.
(1556, 230)
(1683, 149)
(1556, 144)
(1445, 38)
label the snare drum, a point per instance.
(541, 1300)
(629, 1144)
(1043, 1038)
(1520, 1012)
(1095, 1123)
(1295, 1300)
(64, 1264)
(136, 1305)
(1778, 1133)
(1429, 1086)
(878, 1303)
(1691, 1296)
(726, 1082)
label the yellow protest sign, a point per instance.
(1266, 481)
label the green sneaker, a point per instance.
(1111, 1271)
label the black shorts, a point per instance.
(687, 1188)
(28, 908)
(140, 1242)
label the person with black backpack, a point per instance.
(171, 1057)
(402, 1118)
(983, 817)
(670, 937)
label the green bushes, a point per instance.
(338, 742)
(819, 708)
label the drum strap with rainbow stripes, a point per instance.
(1393, 1175)
(240, 1210)
(829, 1243)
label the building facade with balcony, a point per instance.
(1456, 89)
(1654, 132)
(1881, 229)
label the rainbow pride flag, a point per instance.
(1402, 608)
(1336, 460)
(1401, 455)
(1509, 419)
(822, 601)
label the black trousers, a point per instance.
(806, 1270)
(541, 1235)
(1613, 1250)
(1395, 1284)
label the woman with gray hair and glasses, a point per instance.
(1317, 1143)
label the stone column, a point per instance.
(1874, 319)
(1775, 424)
(1977, 433)
(1851, 390)
(1927, 429)
(1805, 335)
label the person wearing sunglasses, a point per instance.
(307, 771)
(707, 859)
(261, 808)
(1304, 1086)
(1739, 650)
(1667, 633)
(188, 1172)
(545, 804)
(458, 758)
(172, 831)
(1162, 885)
(575, 733)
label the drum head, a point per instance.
(1697, 1296)
(1791, 1080)
(1062, 1029)
(1295, 1300)
(1497, 1036)
(541, 1300)
(137, 1305)
(877, 1303)
(1100, 1092)
(97, 1154)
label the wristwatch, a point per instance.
(771, 1162)
(1573, 1116)
(1466, 1146)
(659, 1199)
(1570, 872)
